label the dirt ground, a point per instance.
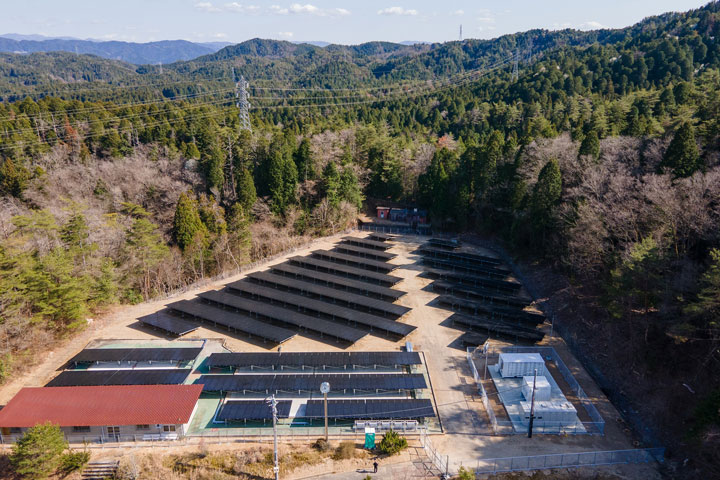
(467, 434)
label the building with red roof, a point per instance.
(103, 413)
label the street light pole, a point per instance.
(325, 389)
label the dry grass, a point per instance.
(344, 451)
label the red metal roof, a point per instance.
(101, 405)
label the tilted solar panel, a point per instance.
(75, 378)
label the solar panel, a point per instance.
(168, 323)
(336, 312)
(91, 355)
(352, 300)
(479, 293)
(380, 237)
(323, 327)
(252, 410)
(313, 359)
(233, 321)
(482, 271)
(345, 383)
(367, 243)
(471, 258)
(345, 270)
(371, 409)
(337, 282)
(354, 261)
(364, 252)
(507, 314)
(473, 280)
(75, 378)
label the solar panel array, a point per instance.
(337, 282)
(74, 378)
(338, 296)
(371, 409)
(345, 383)
(92, 355)
(163, 321)
(233, 321)
(313, 359)
(252, 410)
(363, 252)
(345, 270)
(366, 243)
(379, 237)
(352, 300)
(482, 288)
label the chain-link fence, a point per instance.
(568, 460)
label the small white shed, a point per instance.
(520, 364)
(542, 389)
(550, 413)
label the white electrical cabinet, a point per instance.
(550, 413)
(542, 388)
(520, 364)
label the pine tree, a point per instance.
(590, 145)
(682, 156)
(546, 194)
(187, 223)
(38, 452)
(331, 184)
(245, 188)
(350, 190)
(304, 162)
(282, 175)
(13, 177)
(144, 250)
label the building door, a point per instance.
(113, 433)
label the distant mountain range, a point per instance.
(167, 51)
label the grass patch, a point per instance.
(344, 451)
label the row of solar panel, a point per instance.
(371, 409)
(311, 383)
(337, 409)
(252, 410)
(319, 307)
(77, 378)
(92, 355)
(313, 359)
(367, 243)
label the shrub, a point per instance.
(321, 445)
(344, 451)
(465, 474)
(392, 443)
(38, 452)
(72, 461)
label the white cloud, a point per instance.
(219, 36)
(397, 11)
(227, 7)
(285, 34)
(458, 13)
(308, 9)
(207, 7)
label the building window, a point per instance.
(15, 430)
(143, 427)
(168, 428)
(82, 429)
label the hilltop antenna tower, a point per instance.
(242, 102)
(515, 74)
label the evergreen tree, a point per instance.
(331, 184)
(187, 223)
(282, 180)
(37, 454)
(304, 162)
(13, 177)
(682, 155)
(349, 189)
(144, 250)
(245, 189)
(546, 194)
(590, 145)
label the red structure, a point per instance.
(383, 213)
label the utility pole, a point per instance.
(242, 102)
(532, 406)
(273, 406)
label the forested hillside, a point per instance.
(600, 161)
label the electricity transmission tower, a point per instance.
(461, 32)
(242, 102)
(515, 74)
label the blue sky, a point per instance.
(340, 21)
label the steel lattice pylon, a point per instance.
(243, 103)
